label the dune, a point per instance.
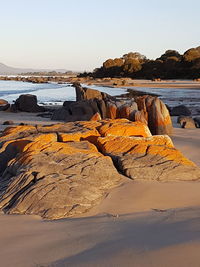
(137, 224)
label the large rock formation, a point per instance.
(147, 109)
(63, 170)
(56, 180)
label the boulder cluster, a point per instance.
(94, 105)
(63, 170)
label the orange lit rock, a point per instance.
(139, 116)
(111, 110)
(56, 180)
(123, 127)
(121, 144)
(17, 132)
(159, 120)
(96, 117)
(152, 158)
(124, 112)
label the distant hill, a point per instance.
(7, 70)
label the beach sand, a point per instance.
(138, 224)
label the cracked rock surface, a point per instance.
(153, 158)
(63, 170)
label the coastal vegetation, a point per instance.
(170, 65)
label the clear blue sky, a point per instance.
(81, 34)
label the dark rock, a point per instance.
(197, 121)
(168, 107)
(8, 122)
(67, 104)
(80, 110)
(180, 110)
(83, 93)
(60, 114)
(28, 103)
(102, 108)
(13, 108)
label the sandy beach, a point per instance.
(137, 224)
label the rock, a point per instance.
(3, 102)
(96, 117)
(11, 133)
(81, 110)
(111, 110)
(76, 111)
(62, 170)
(197, 121)
(186, 122)
(4, 105)
(34, 182)
(67, 104)
(13, 108)
(61, 114)
(138, 116)
(152, 158)
(123, 127)
(147, 109)
(169, 108)
(156, 113)
(28, 103)
(80, 131)
(83, 93)
(180, 110)
(7, 123)
(102, 108)
(124, 111)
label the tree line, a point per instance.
(170, 65)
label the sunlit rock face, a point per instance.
(65, 169)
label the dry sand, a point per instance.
(172, 84)
(138, 224)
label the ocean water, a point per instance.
(53, 93)
(46, 93)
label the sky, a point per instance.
(80, 35)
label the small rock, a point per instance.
(4, 105)
(187, 122)
(180, 110)
(8, 123)
(197, 121)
